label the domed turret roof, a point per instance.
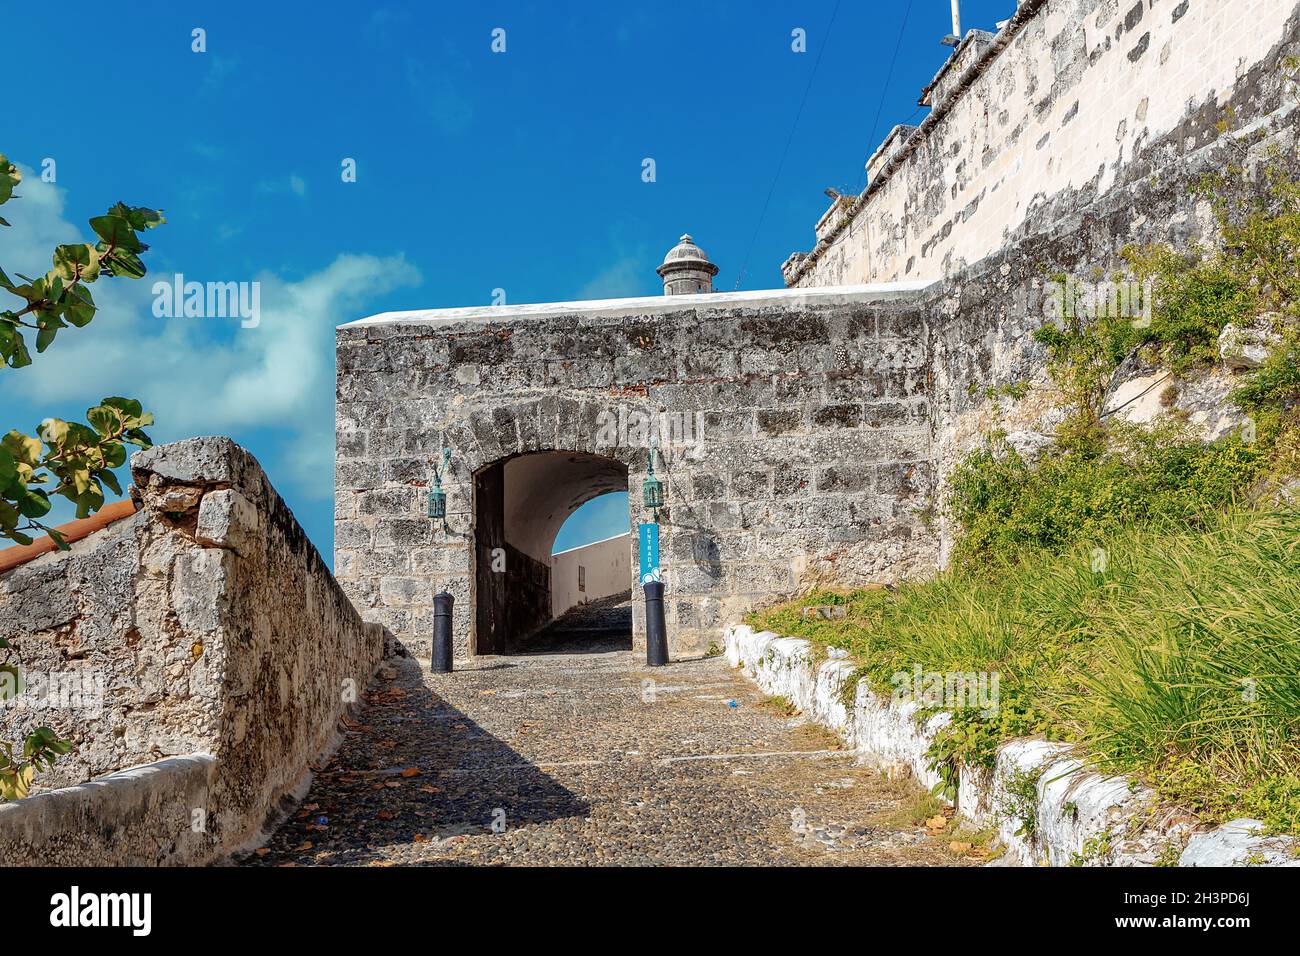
(687, 253)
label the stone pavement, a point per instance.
(591, 759)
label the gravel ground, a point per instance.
(591, 759)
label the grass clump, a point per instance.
(1175, 659)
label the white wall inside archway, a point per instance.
(543, 489)
(590, 572)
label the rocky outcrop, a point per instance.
(1247, 347)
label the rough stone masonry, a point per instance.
(794, 440)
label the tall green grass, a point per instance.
(1177, 660)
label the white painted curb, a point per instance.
(1080, 816)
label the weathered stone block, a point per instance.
(229, 520)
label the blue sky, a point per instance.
(475, 171)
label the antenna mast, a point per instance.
(952, 39)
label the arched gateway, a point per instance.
(794, 427)
(519, 505)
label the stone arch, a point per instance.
(567, 422)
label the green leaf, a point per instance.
(24, 448)
(71, 261)
(79, 307)
(9, 178)
(140, 217)
(45, 336)
(89, 501)
(8, 468)
(125, 264)
(114, 454)
(103, 419)
(116, 231)
(110, 479)
(20, 357)
(33, 503)
(11, 682)
(129, 407)
(53, 431)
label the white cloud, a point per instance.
(294, 184)
(623, 278)
(208, 375)
(36, 214)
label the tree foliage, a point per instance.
(73, 460)
(68, 459)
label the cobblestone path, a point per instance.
(592, 759)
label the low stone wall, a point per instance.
(205, 624)
(1078, 816)
(144, 816)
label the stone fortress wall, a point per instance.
(829, 419)
(807, 454)
(1166, 118)
(1072, 100)
(218, 655)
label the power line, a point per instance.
(789, 139)
(871, 140)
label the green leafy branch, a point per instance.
(76, 460)
(60, 297)
(68, 459)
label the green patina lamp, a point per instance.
(652, 489)
(438, 497)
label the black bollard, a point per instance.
(441, 657)
(656, 633)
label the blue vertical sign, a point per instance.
(649, 534)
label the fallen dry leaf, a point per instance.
(936, 823)
(411, 772)
(958, 847)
